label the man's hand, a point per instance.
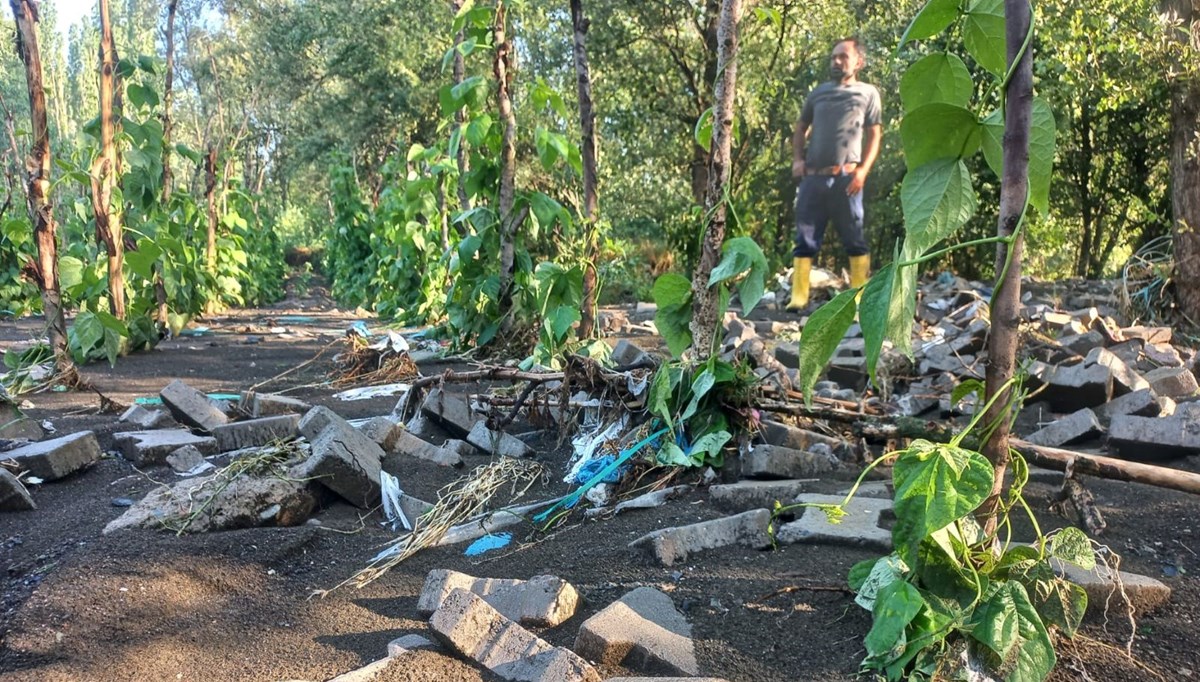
(857, 178)
(798, 168)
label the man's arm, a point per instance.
(871, 138)
(799, 139)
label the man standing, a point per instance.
(833, 148)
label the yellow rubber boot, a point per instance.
(860, 270)
(802, 269)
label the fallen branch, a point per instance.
(1108, 467)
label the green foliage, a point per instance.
(695, 403)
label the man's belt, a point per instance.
(835, 170)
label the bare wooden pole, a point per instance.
(587, 124)
(1006, 304)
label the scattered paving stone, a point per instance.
(368, 673)
(383, 431)
(459, 447)
(1173, 382)
(409, 445)
(13, 494)
(1163, 355)
(1076, 427)
(673, 545)
(271, 404)
(497, 443)
(191, 407)
(407, 643)
(1145, 593)
(1141, 403)
(51, 460)
(143, 418)
(747, 495)
(773, 461)
(858, 528)
(642, 631)
(666, 679)
(315, 420)
(796, 438)
(346, 462)
(626, 353)
(466, 622)
(1148, 334)
(1124, 378)
(1154, 438)
(788, 353)
(542, 601)
(187, 460)
(1072, 387)
(848, 372)
(1082, 344)
(647, 501)
(152, 447)
(425, 428)
(257, 432)
(122, 502)
(14, 424)
(448, 412)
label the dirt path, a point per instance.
(145, 605)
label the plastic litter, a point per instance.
(593, 467)
(196, 331)
(573, 499)
(368, 392)
(392, 511)
(487, 543)
(155, 400)
(393, 342)
(296, 319)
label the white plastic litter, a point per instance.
(586, 443)
(392, 341)
(392, 510)
(368, 392)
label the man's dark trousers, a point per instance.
(821, 199)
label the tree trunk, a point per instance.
(704, 299)
(41, 213)
(1006, 306)
(700, 157)
(167, 178)
(460, 156)
(587, 124)
(502, 65)
(104, 171)
(1185, 163)
(210, 196)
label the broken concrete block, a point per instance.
(542, 601)
(1124, 378)
(848, 372)
(1166, 406)
(383, 431)
(641, 631)
(746, 495)
(191, 407)
(667, 679)
(1082, 344)
(459, 447)
(1072, 387)
(1145, 593)
(51, 460)
(788, 353)
(1163, 355)
(210, 503)
(346, 462)
(497, 443)
(1129, 351)
(773, 461)
(673, 545)
(1153, 438)
(1148, 334)
(13, 495)
(449, 412)
(858, 528)
(15, 425)
(368, 673)
(409, 445)
(1141, 403)
(315, 420)
(152, 447)
(143, 418)
(796, 438)
(1076, 427)
(626, 353)
(407, 643)
(476, 630)
(271, 404)
(1173, 382)
(1056, 320)
(186, 460)
(257, 432)
(425, 428)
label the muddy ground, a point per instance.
(147, 605)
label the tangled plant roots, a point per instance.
(361, 365)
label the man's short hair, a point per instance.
(858, 46)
